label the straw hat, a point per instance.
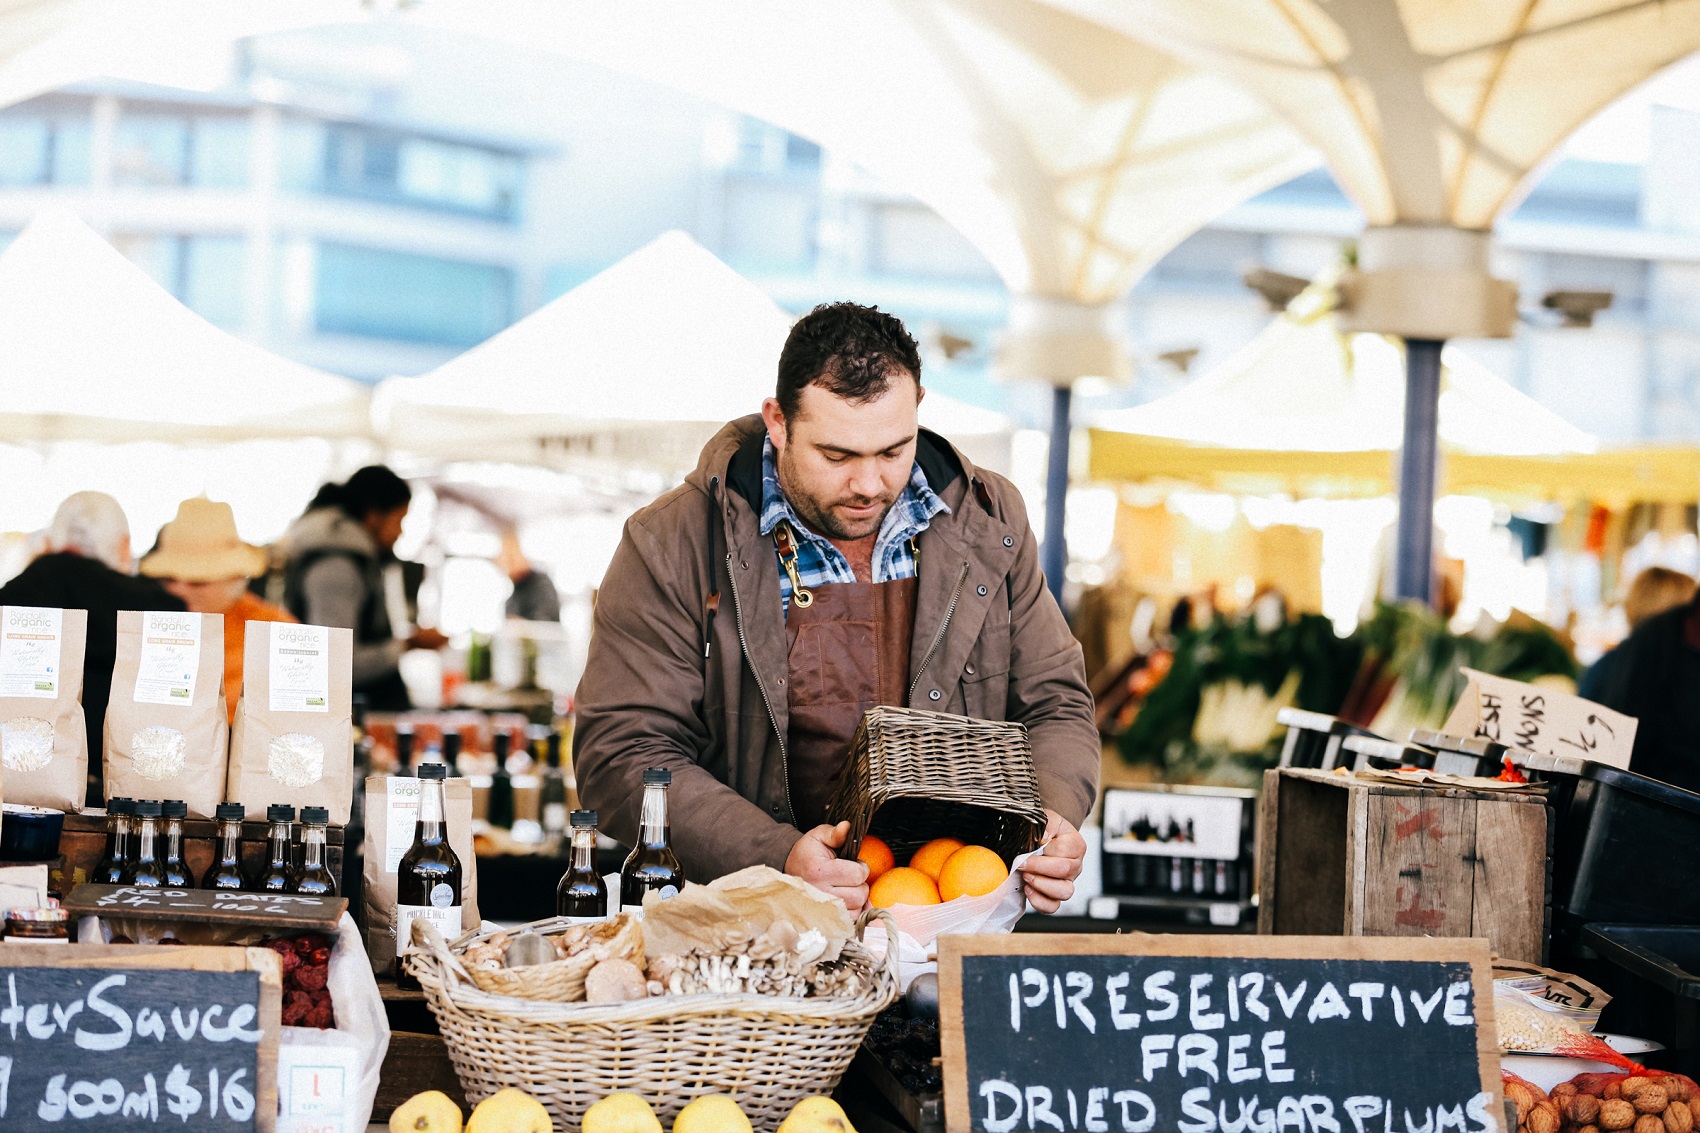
(201, 545)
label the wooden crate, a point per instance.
(1345, 857)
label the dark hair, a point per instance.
(370, 491)
(850, 350)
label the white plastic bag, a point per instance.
(920, 926)
(360, 1023)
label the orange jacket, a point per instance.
(247, 609)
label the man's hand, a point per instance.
(427, 639)
(814, 858)
(1048, 878)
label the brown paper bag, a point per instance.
(294, 738)
(167, 727)
(392, 808)
(44, 746)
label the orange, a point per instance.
(903, 886)
(877, 856)
(972, 871)
(930, 859)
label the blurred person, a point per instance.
(85, 564)
(1655, 677)
(1652, 592)
(335, 576)
(534, 598)
(201, 559)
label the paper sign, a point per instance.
(170, 660)
(300, 668)
(23, 886)
(313, 1087)
(1527, 717)
(29, 651)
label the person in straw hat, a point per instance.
(201, 559)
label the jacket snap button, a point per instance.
(982, 591)
(1009, 540)
(744, 564)
(969, 670)
(781, 682)
(934, 695)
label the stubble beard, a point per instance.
(818, 516)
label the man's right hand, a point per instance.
(427, 639)
(814, 858)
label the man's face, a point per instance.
(213, 597)
(842, 464)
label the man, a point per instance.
(85, 565)
(1654, 676)
(824, 557)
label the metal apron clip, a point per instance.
(801, 595)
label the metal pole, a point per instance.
(1055, 551)
(1418, 464)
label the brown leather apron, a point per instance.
(848, 652)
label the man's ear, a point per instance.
(774, 418)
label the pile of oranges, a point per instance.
(942, 870)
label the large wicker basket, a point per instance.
(915, 776)
(766, 1052)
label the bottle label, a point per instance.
(300, 668)
(662, 894)
(170, 660)
(29, 651)
(445, 917)
(584, 920)
(442, 895)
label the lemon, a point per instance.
(429, 1112)
(621, 1113)
(816, 1115)
(510, 1111)
(711, 1113)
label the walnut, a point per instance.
(1544, 1118)
(1522, 1095)
(1633, 1085)
(1648, 1123)
(1677, 1087)
(1615, 1113)
(1587, 1129)
(1613, 1090)
(1679, 1118)
(1582, 1109)
(1563, 1090)
(1651, 1099)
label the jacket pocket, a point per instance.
(985, 675)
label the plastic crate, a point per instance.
(1313, 739)
(1626, 850)
(1653, 975)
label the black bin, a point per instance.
(1627, 851)
(1653, 975)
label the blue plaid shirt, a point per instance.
(818, 561)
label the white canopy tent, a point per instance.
(92, 349)
(636, 366)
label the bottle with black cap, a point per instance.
(314, 879)
(404, 751)
(279, 874)
(177, 875)
(112, 865)
(226, 869)
(145, 870)
(429, 876)
(652, 867)
(451, 752)
(582, 894)
(500, 811)
(552, 795)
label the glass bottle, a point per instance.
(552, 794)
(428, 879)
(582, 894)
(652, 867)
(451, 752)
(145, 870)
(114, 863)
(314, 879)
(226, 869)
(404, 751)
(279, 874)
(177, 875)
(500, 811)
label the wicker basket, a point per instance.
(766, 1052)
(915, 776)
(561, 981)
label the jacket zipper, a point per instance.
(955, 596)
(744, 644)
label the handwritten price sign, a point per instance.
(1531, 718)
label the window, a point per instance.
(204, 272)
(218, 152)
(150, 149)
(385, 165)
(43, 149)
(383, 294)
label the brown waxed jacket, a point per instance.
(989, 642)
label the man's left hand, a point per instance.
(1048, 878)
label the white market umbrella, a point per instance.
(92, 349)
(638, 365)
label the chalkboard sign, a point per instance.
(1157, 1034)
(110, 1037)
(209, 906)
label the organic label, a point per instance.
(29, 651)
(402, 807)
(300, 668)
(170, 659)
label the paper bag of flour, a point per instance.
(392, 809)
(294, 738)
(167, 727)
(44, 747)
